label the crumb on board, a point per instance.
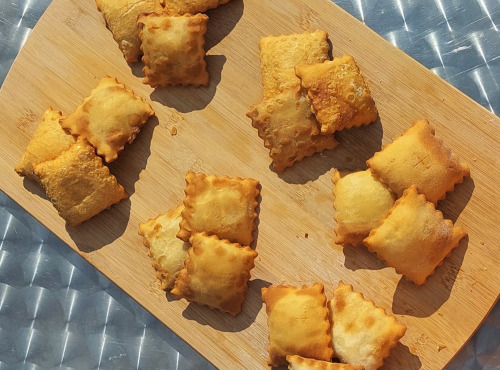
(173, 131)
(306, 235)
(441, 346)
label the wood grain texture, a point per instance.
(70, 50)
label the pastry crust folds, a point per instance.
(121, 17)
(363, 334)
(48, 141)
(173, 47)
(109, 118)
(298, 323)
(414, 238)
(289, 130)
(191, 6)
(339, 95)
(216, 273)
(78, 184)
(219, 206)
(418, 158)
(361, 202)
(280, 54)
(300, 363)
(167, 251)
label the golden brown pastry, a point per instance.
(418, 158)
(216, 273)
(280, 54)
(414, 238)
(298, 323)
(300, 363)
(289, 129)
(121, 17)
(361, 202)
(191, 6)
(339, 95)
(48, 141)
(363, 334)
(219, 206)
(109, 118)
(78, 184)
(173, 47)
(167, 251)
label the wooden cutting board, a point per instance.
(70, 50)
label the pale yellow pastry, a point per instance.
(280, 54)
(221, 206)
(167, 251)
(289, 130)
(363, 334)
(361, 202)
(109, 118)
(48, 141)
(121, 18)
(191, 6)
(173, 47)
(339, 95)
(216, 273)
(300, 363)
(414, 238)
(298, 323)
(418, 158)
(78, 183)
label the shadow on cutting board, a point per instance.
(110, 224)
(402, 358)
(221, 22)
(356, 146)
(456, 200)
(425, 300)
(191, 98)
(358, 257)
(225, 322)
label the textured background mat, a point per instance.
(56, 310)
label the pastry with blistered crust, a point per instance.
(414, 238)
(289, 130)
(121, 18)
(48, 141)
(191, 6)
(418, 158)
(78, 183)
(298, 323)
(216, 273)
(173, 47)
(339, 95)
(280, 54)
(300, 363)
(361, 202)
(109, 118)
(221, 206)
(363, 334)
(167, 251)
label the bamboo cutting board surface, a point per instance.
(70, 50)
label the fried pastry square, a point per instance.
(300, 363)
(173, 47)
(191, 6)
(289, 129)
(298, 323)
(219, 206)
(121, 18)
(78, 184)
(48, 141)
(167, 251)
(361, 202)
(339, 95)
(280, 54)
(216, 273)
(414, 238)
(109, 118)
(418, 158)
(363, 334)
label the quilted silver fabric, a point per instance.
(56, 310)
